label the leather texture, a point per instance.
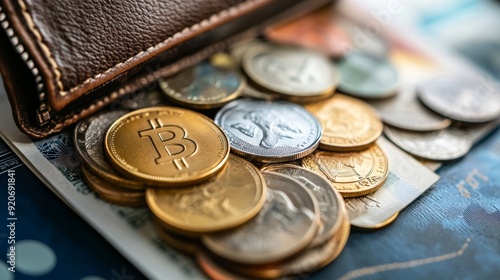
(80, 55)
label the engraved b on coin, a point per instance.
(170, 143)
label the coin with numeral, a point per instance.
(298, 74)
(203, 86)
(166, 146)
(352, 174)
(269, 131)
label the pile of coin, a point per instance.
(258, 189)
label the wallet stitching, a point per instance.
(227, 12)
(44, 47)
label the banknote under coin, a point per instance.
(461, 98)
(297, 74)
(88, 138)
(331, 204)
(269, 131)
(351, 173)
(166, 146)
(227, 200)
(286, 224)
(348, 123)
(367, 76)
(113, 193)
(407, 180)
(203, 86)
(441, 145)
(405, 111)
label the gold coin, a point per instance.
(112, 193)
(348, 123)
(166, 146)
(184, 244)
(352, 174)
(227, 200)
(383, 224)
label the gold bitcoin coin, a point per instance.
(112, 193)
(365, 227)
(227, 200)
(352, 174)
(348, 123)
(166, 146)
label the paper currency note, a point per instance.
(407, 180)
(129, 230)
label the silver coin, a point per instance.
(269, 131)
(329, 200)
(446, 144)
(367, 76)
(405, 111)
(203, 86)
(286, 224)
(461, 98)
(294, 72)
(89, 137)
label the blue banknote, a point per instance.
(451, 232)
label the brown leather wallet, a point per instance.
(62, 60)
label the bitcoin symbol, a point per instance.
(170, 142)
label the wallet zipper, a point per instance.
(42, 113)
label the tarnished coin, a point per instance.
(203, 86)
(269, 131)
(352, 174)
(286, 224)
(89, 140)
(446, 144)
(405, 111)
(166, 146)
(348, 123)
(112, 193)
(367, 76)
(369, 227)
(461, 98)
(331, 204)
(298, 74)
(227, 200)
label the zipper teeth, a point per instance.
(26, 58)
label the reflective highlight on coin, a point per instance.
(89, 138)
(352, 174)
(461, 98)
(269, 131)
(166, 146)
(285, 225)
(331, 204)
(203, 86)
(226, 200)
(290, 71)
(446, 144)
(367, 76)
(348, 124)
